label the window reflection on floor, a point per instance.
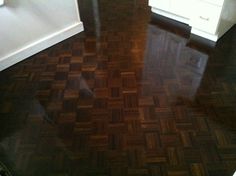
(168, 59)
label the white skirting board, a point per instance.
(40, 45)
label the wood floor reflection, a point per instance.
(129, 96)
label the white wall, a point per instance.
(29, 26)
(1, 2)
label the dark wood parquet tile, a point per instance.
(126, 97)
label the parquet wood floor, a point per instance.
(127, 97)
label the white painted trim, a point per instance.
(203, 34)
(40, 45)
(77, 9)
(170, 15)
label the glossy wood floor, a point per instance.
(131, 96)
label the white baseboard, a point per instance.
(40, 45)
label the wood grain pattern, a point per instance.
(127, 97)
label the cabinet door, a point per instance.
(181, 7)
(206, 17)
(160, 4)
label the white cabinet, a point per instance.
(181, 8)
(162, 4)
(177, 10)
(208, 18)
(215, 2)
